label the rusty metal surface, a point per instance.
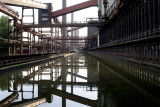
(75, 8)
(83, 24)
(25, 3)
(132, 32)
(5, 102)
(74, 29)
(8, 11)
(10, 60)
(74, 38)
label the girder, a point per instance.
(25, 3)
(75, 8)
(132, 32)
(8, 11)
(61, 25)
(74, 38)
(74, 29)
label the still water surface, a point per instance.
(81, 81)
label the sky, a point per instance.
(81, 15)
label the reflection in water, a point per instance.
(80, 81)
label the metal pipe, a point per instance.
(21, 36)
(64, 30)
(9, 37)
(105, 2)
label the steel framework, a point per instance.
(132, 32)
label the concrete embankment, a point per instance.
(32, 63)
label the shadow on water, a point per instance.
(81, 80)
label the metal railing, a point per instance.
(137, 36)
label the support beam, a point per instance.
(25, 3)
(75, 8)
(64, 30)
(8, 11)
(55, 83)
(79, 76)
(74, 29)
(61, 25)
(30, 103)
(76, 98)
(9, 99)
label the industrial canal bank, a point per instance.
(81, 80)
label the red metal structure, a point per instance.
(8, 11)
(41, 41)
(75, 8)
(25, 3)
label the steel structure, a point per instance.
(55, 78)
(26, 3)
(74, 8)
(68, 24)
(132, 32)
(11, 60)
(41, 41)
(8, 11)
(73, 38)
(128, 29)
(17, 37)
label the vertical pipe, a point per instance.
(138, 18)
(55, 36)
(105, 3)
(149, 16)
(64, 74)
(98, 40)
(72, 19)
(100, 9)
(9, 37)
(28, 43)
(159, 14)
(21, 37)
(41, 40)
(64, 29)
(52, 39)
(22, 31)
(141, 15)
(154, 14)
(34, 34)
(145, 19)
(38, 49)
(51, 74)
(14, 47)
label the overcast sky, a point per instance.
(57, 5)
(81, 15)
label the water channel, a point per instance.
(81, 81)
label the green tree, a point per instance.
(4, 84)
(4, 27)
(4, 34)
